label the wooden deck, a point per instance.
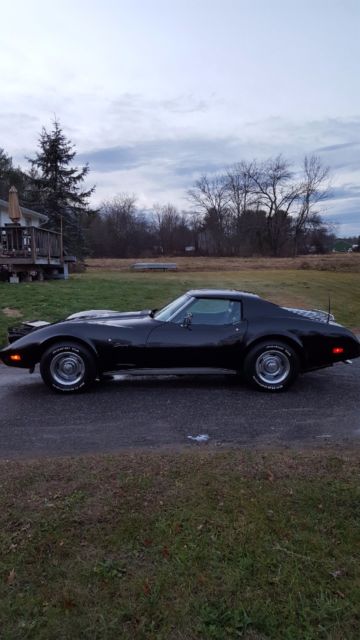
(28, 253)
(30, 246)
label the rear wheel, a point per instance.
(271, 366)
(68, 367)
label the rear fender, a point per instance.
(290, 339)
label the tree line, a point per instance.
(251, 208)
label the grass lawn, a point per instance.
(204, 544)
(128, 291)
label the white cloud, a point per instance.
(183, 86)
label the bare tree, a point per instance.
(239, 183)
(123, 225)
(273, 186)
(242, 200)
(210, 197)
(210, 193)
(313, 189)
(167, 221)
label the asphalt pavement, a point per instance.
(322, 407)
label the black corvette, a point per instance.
(203, 331)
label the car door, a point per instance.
(121, 341)
(207, 333)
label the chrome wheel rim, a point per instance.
(272, 367)
(67, 368)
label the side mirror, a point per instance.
(187, 320)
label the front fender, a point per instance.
(33, 344)
(47, 342)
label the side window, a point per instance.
(212, 311)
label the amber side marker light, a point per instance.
(337, 350)
(15, 357)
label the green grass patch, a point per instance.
(192, 545)
(128, 291)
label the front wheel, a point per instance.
(67, 367)
(271, 366)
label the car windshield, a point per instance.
(167, 312)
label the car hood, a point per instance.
(95, 314)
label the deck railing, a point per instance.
(29, 242)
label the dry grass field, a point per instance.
(344, 262)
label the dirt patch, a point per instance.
(12, 313)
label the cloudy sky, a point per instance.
(155, 92)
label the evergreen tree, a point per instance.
(10, 176)
(56, 188)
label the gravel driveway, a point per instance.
(321, 407)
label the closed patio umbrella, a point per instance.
(14, 207)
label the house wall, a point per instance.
(28, 219)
